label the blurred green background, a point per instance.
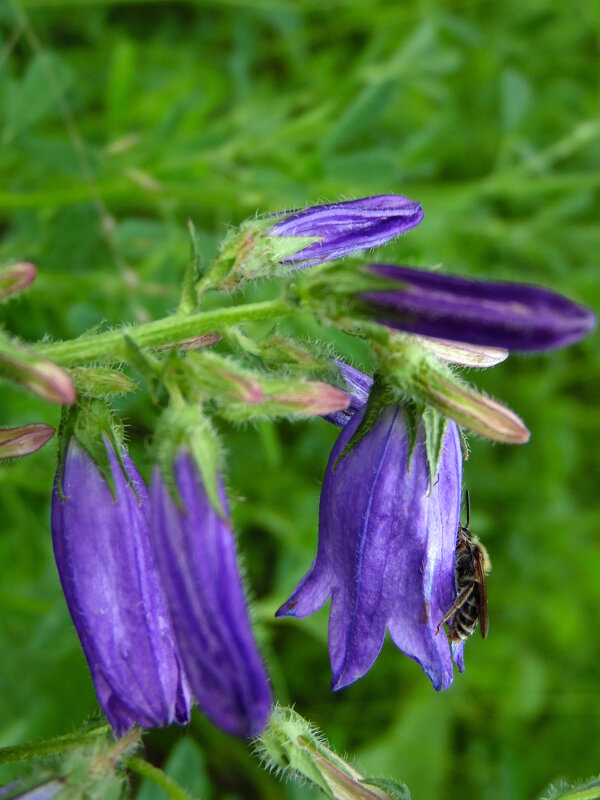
(121, 120)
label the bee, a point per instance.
(471, 565)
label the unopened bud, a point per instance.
(38, 375)
(293, 747)
(468, 407)
(26, 439)
(16, 277)
(305, 397)
(223, 379)
(101, 381)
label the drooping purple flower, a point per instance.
(359, 385)
(386, 550)
(348, 227)
(195, 548)
(113, 591)
(514, 316)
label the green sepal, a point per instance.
(380, 397)
(185, 428)
(149, 368)
(248, 253)
(395, 790)
(93, 425)
(435, 425)
(412, 417)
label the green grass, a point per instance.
(118, 122)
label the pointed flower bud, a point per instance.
(470, 408)
(385, 556)
(195, 550)
(348, 227)
(113, 591)
(514, 316)
(16, 277)
(26, 439)
(38, 375)
(291, 746)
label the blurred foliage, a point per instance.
(118, 122)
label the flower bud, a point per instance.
(467, 406)
(292, 746)
(24, 440)
(16, 277)
(347, 227)
(512, 316)
(38, 375)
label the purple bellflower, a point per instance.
(386, 550)
(113, 591)
(348, 227)
(514, 316)
(195, 548)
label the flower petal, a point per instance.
(112, 588)
(195, 549)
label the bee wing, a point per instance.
(484, 620)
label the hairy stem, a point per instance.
(110, 345)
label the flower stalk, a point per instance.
(111, 345)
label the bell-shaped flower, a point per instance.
(387, 538)
(347, 227)
(514, 316)
(195, 548)
(113, 591)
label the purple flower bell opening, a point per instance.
(514, 316)
(348, 227)
(386, 550)
(196, 551)
(113, 591)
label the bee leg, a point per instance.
(458, 603)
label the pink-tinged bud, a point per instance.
(470, 408)
(223, 379)
(38, 375)
(307, 397)
(24, 440)
(16, 277)
(194, 343)
(464, 354)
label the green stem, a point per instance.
(22, 752)
(157, 776)
(111, 344)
